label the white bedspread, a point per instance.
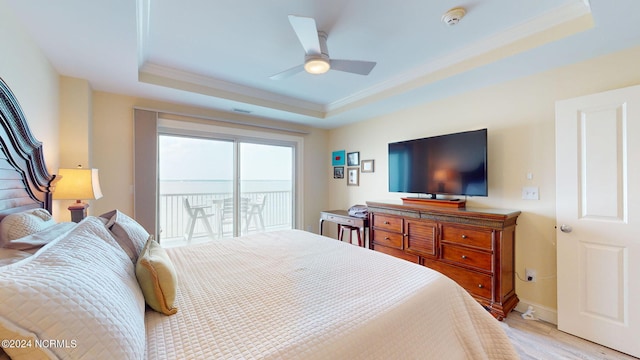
(296, 295)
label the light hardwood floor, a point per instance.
(535, 339)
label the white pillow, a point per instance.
(15, 226)
(80, 290)
(130, 235)
(35, 241)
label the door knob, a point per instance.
(566, 228)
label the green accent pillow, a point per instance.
(157, 278)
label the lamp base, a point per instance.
(78, 211)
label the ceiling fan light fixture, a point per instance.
(317, 64)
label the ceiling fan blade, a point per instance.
(353, 66)
(307, 32)
(287, 73)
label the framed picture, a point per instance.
(337, 158)
(353, 176)
(367, 166)
(353, 158)
(338, 172)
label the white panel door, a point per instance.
(598, 217)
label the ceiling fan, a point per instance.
(316, 59)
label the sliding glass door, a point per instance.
(266, 187)
(222, 187)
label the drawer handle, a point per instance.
(480, 286)
(464, 256)
(387, 238)
(464, 236)
(386, 223)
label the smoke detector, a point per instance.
(453, 16)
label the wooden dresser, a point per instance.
(474, 247)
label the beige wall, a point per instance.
(112, 149)
(75, 132)
(75, 122)
(34, 82)
(520, 117)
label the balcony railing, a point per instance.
(174, 219)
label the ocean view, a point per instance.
(168, 187)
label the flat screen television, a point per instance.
(452, 164)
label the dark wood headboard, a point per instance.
(25, 182)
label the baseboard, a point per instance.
(543, 313)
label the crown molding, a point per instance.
(183, 80)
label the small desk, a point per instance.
(342, 217)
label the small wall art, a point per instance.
(337, 158)
(338, 172)
(367, 166)
(353, 158)
(353, 176)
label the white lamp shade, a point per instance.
(78, 184)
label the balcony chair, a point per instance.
(196, 212)
(227, 214)
(255, 212)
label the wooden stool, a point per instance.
(351, 229)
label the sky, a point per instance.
(184, 158)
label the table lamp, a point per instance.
(78, 184)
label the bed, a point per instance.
(76, 292)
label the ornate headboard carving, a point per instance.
(25, 182)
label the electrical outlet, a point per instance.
(530, 193)
(530, 275)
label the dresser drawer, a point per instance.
(397, 253)
(467, 257)
(386, 222)
(389, 239)
(477, 284)
(467, 236)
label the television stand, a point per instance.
(448, 203)
(475, 248)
